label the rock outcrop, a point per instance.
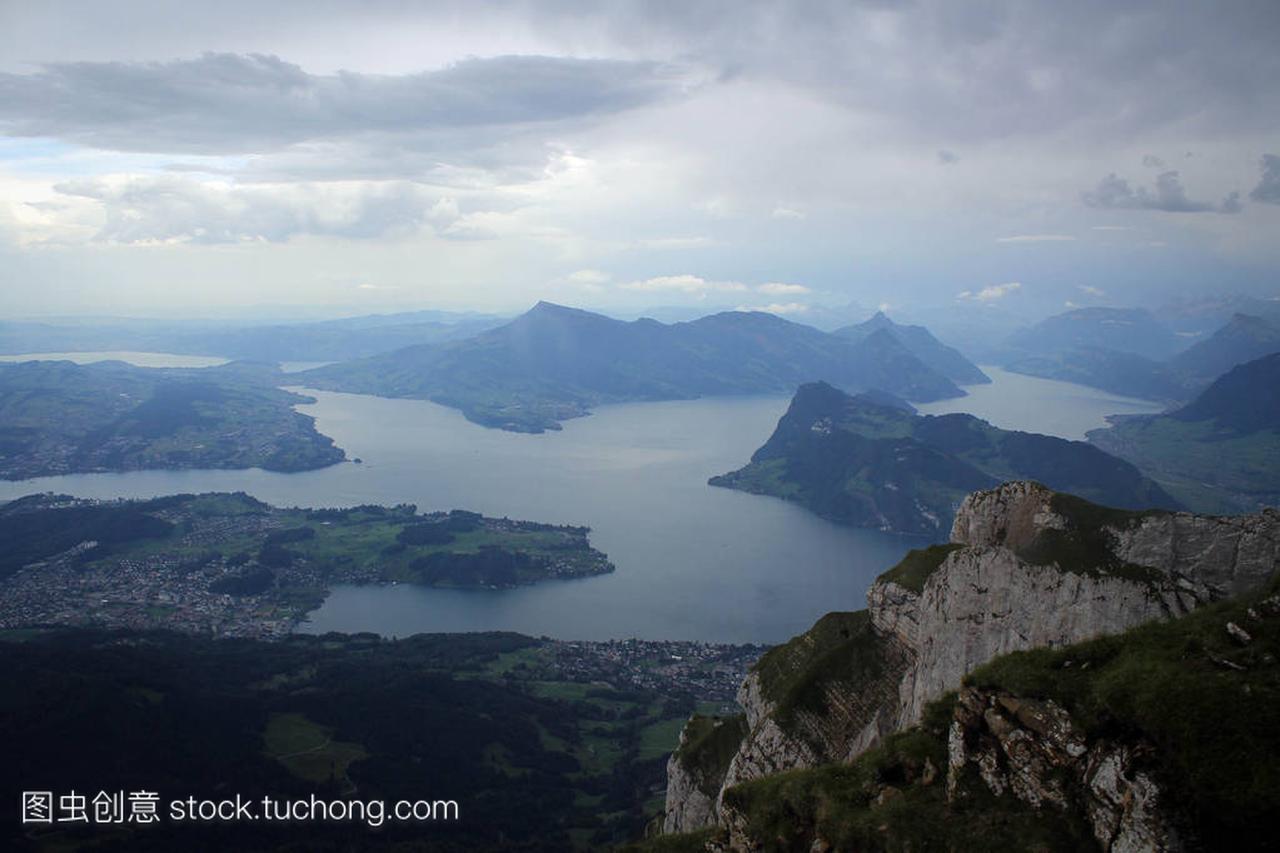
(1032, 750)
(1027, 568)
(696, 771)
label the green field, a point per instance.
(308, 749)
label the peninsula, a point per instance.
(230, 565)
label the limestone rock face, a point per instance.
(1031, 750)
(985, 602)
(688, 809)
(696, 771)
(1035, 568)
(1010, 515)
(1228, 555)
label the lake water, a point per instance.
(1031, 404)
(693, 562)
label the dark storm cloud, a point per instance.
(1169, 195)
(231, 103)
(1268, 189)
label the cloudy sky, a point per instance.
(194, 159)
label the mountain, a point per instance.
(58, 418)
(1219, 453)
(856, 462)
(1128, 330)
(1196, 316)
(1244, 338)
(1123, 373)
(334, 340)
(1145, 368)
(1061, 676)
(555, 363)
(1120, 350)
(923, 345)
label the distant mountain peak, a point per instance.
(919, 342)
(545, 307)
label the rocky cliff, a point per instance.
(1027, 567)
(1163, 738)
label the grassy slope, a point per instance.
(1204, 467)
(1219, 453)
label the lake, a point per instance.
(693, 562)
(1031, 404)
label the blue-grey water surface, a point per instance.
(693, 562)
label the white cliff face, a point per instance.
(767, 750)
(1010, 515)
(984, 600)
(688, 808)
(1228, 555)
(852, 718)
(694, 781)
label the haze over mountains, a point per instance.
(327, 340)
(1131, 352)
(554, 363)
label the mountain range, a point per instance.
(326, 340)
(554, 363)
(1220, 452)
(923, 345)
(855, 461)
(1130, 352)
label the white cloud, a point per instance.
(990, 293)
(589, 277)
(787, 213)
(683, 284)
(661, 243)
(776, 308)
(171, 209)
(444, 212)
(779, 288)
(1092, 291)
(1036, 238)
